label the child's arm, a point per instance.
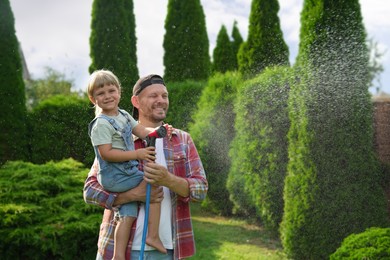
(115, 155)
(142, 131)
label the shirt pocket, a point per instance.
(179, 163)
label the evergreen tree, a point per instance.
(223, 56)
(113, 43)
(186, 43)
(13, 140)
(237, 40)
(333, 184)
(265, 45)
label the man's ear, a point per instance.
(134, 101)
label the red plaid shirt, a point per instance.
(182, 160)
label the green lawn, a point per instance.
(224, 238)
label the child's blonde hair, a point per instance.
(99, 79)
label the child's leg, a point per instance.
(121, 237)
(153, 238)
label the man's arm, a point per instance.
(139, 194)
(95, 194)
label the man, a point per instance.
(178, 171)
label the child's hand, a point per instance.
(169, 130)
(148, 154)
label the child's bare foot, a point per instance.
(156, 243)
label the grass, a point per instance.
(219, 237)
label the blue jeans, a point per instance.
(152, 255)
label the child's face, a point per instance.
(107, 98)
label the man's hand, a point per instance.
(139, 194)
(157, 174)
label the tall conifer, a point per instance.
(186, 43)
(265, 45)
(13, 137)
(237, 40)
(113, 43)
(223, 55)
(333, 184)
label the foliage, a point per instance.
(13, 143)
(223, 55)
(43, 215)
(375, 65)
(113, 43)
(59, 130)
(237, 41)
(186, 43)
(183, 97)
(265, 45)
(374, 243)
(54, 83)
(333, 183)
(259, 152)
(212, 131)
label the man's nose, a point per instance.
(161, 99)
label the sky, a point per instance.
(55, 33)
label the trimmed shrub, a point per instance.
(43, 214)
(374, 243)
(59, 130)
(212, 131)
(259, 152)
(183, 97)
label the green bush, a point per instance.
(259, 151)
(212, 131)
(374, 243)
(59, 130)
(183, 97)
(43, 214)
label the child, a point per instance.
(111, 135)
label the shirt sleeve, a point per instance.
(102, 132)
(133, 122)
(94, 193)
(195, 175)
